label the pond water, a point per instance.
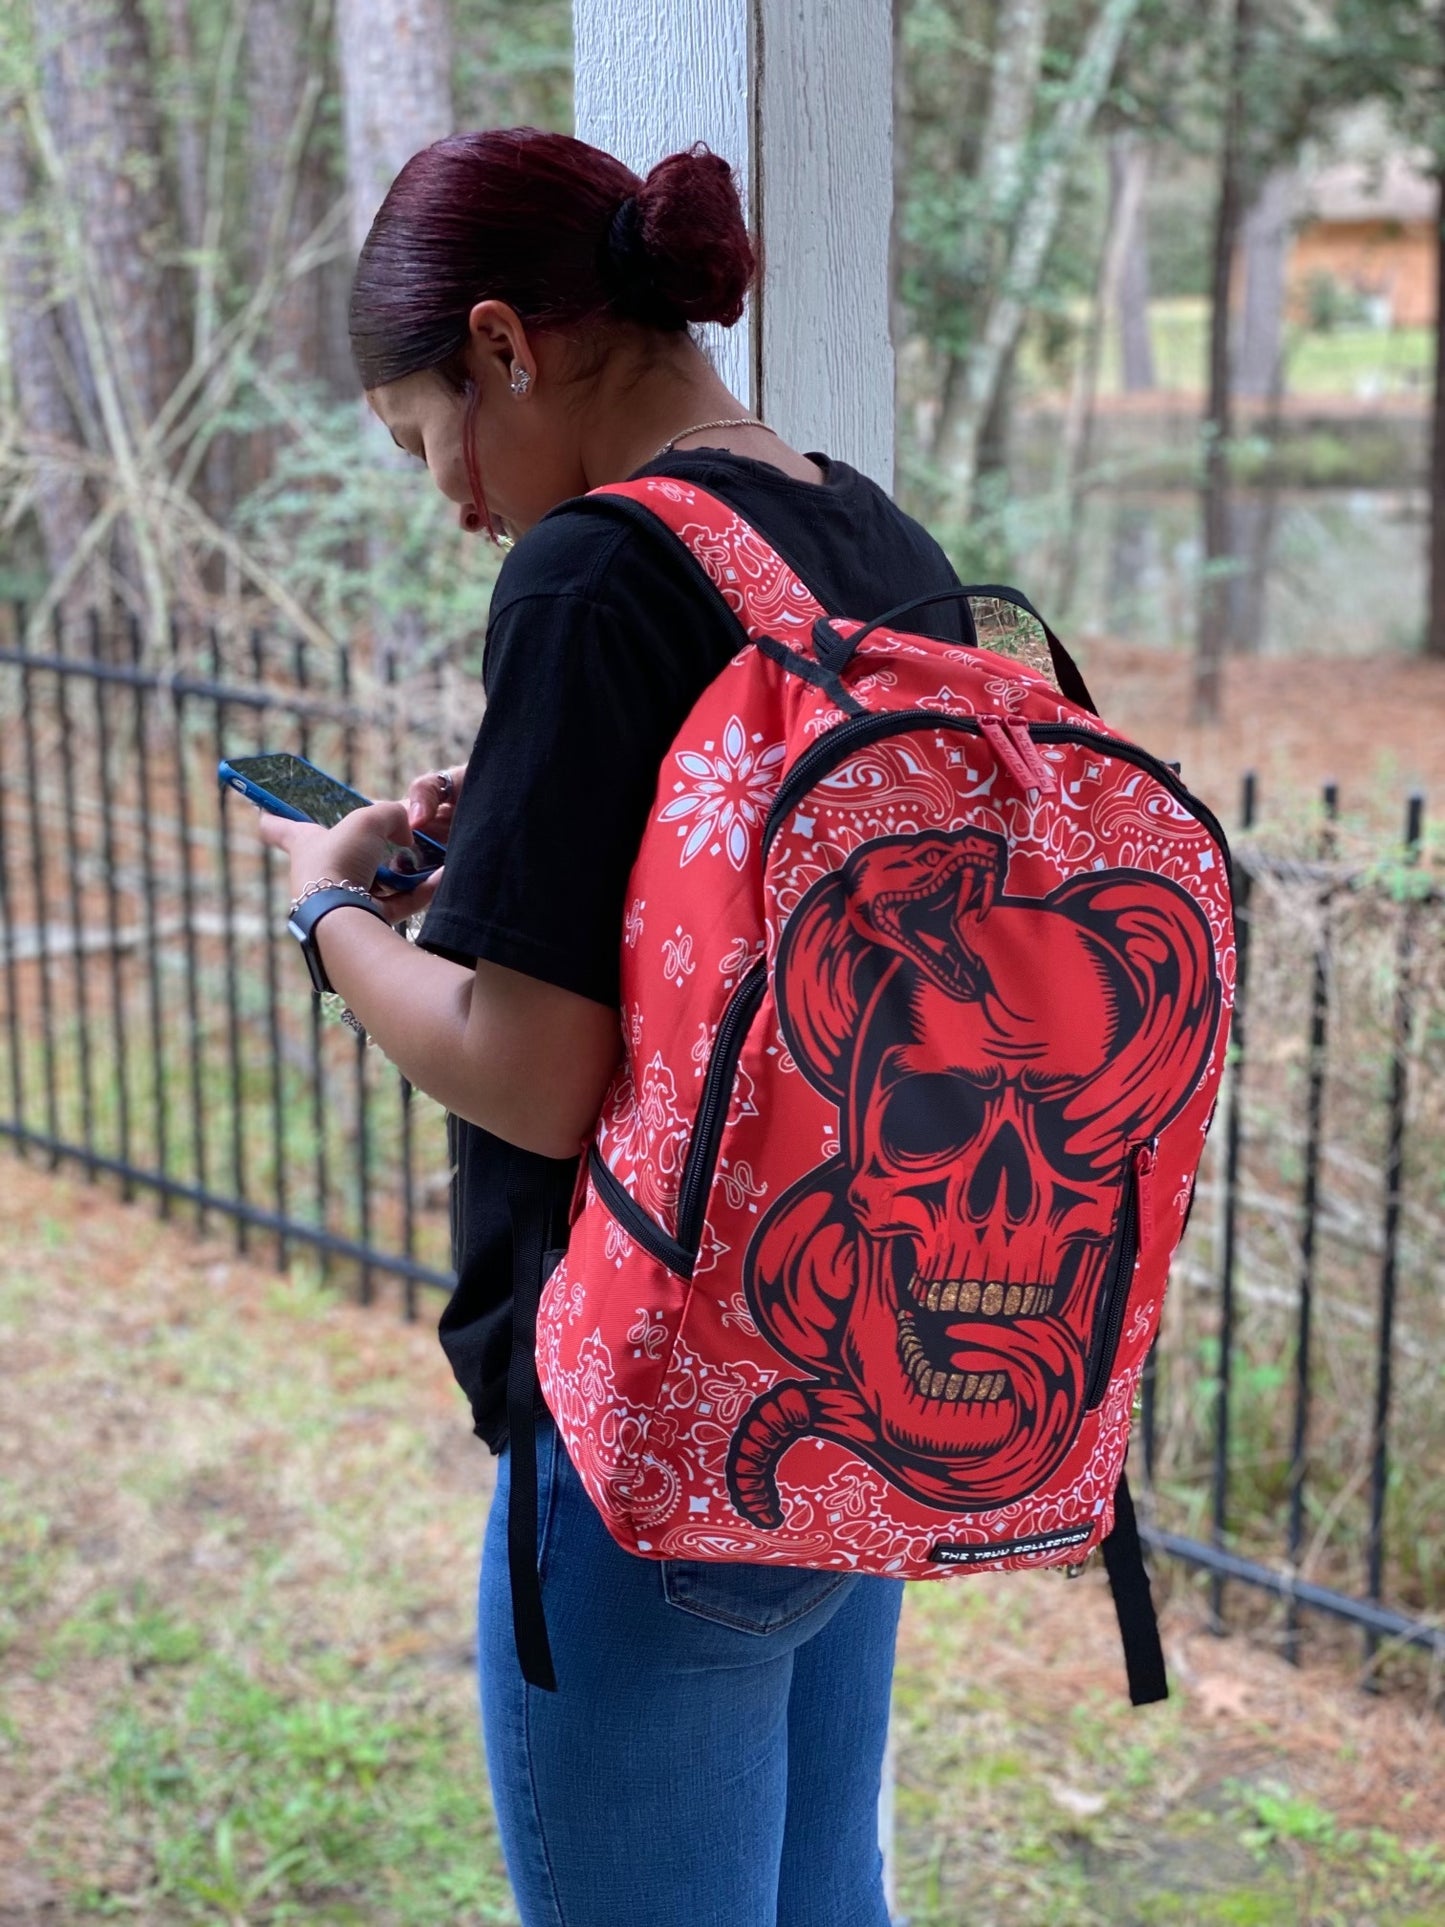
(1321, 571)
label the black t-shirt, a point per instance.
(599, 643)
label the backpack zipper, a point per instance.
(679, 1253)
(839, 743)
(1114, 1299)
(712, 1110)
(634, 1220)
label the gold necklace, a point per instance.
(735, 421)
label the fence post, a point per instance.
(1309, 1205)
(1230, 1210)
(119, 1050)
(1394, 1162)
(7, 932)
(220, 747)
(140, 740)
(38, 891)
(195, 1043)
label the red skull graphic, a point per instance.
(995, 1059)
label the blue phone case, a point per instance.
(426, 846)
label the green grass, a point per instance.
(327, 1799)
(1345, 361)
(236, 1550)
(1354, 362)
(1015, 1807)
(234, 1604)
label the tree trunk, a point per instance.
(64, 503)
(1259, 372)
(996, 436)
(1435, 624)
(395, 63)
(1264, 251)
(1126, 186)
(1213, 625)
(291, 184)
(287, 196)
(1018, 52)
(115, 221)
(1032, 236)
(188, 122)
(112, 150)
(395, 58)
(1253, 518)
(1129, 177)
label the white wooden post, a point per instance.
(798, 96)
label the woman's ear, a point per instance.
(498, 349)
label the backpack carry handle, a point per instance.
(837, 653)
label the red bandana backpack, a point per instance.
(926, 977)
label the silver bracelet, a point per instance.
(317, 884)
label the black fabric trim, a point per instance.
(1134, 1605)
(827, 680)
(1066, 670)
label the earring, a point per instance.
(521, 382)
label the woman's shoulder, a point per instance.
(570, 552)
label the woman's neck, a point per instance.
(630, 420)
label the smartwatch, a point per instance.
(308, 911)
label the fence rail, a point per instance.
(155, 1031)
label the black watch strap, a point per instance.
(308, 913)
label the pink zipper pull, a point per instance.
(1145, 1158)
(1016, 750)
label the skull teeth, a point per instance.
(987, 1297)
(953, 1388)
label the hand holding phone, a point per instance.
(291, 787)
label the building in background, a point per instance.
(1364, 245)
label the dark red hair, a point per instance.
(560, 231)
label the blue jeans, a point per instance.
(713, 1753)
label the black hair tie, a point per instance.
(628, 273)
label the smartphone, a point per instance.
(290, 786)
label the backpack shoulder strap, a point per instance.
(527, 1204)
(764, 592)
(767, 596)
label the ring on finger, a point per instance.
(445, 785)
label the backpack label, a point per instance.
(944, 1554)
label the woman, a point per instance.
(521, 321)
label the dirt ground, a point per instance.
(1373, 724)
(292, 1478)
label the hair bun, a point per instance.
(688, 237)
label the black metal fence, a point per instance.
(156, 1030)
